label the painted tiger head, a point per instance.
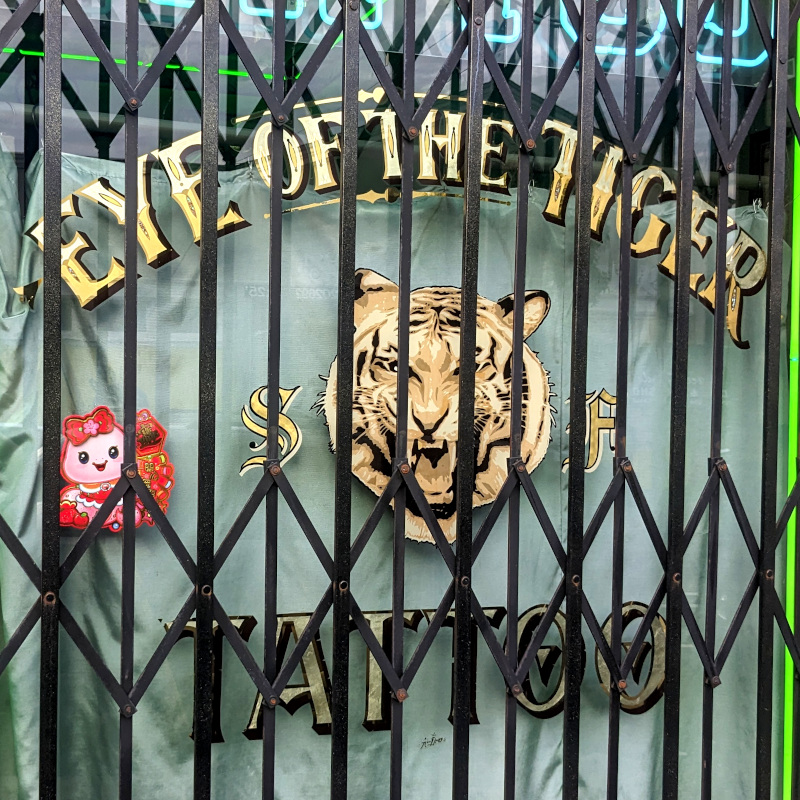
(434, 353)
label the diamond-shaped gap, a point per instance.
(98, 34)
(18, 682)
(168, 29)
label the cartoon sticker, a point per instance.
(91, 459)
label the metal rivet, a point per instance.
(413, 130)
(516, 689)
(782, 59)
(769, 574)
(273, 701)
(627, 466)
(133, 102)
(206, 590)
(729, 167)
(405, 469)
(521, 467)
(676, 578)
(131, 473)
(274, 470)
(716, 681)
(634, 156)
(479, 20)
(128, 710)
(530, 144)
(50, 598)
(622, 685)
(343, 586)
(401, 695)
(723, 466)
(281, 117)
(465, 581)
(691, 48)
(354, 5)
(576, 580)
(589, 37)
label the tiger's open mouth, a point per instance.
(434, 465)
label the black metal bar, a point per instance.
(51, 404)
(515, 461)
(131, 256)
(275, 144)
(404, 112)
(772, 366)
(462, 638)
(573, 655)
(621, 416)
(677, 447)
(206, 440)
(344, 395)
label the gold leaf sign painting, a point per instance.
(434, 352)
(254, 417)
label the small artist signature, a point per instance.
(431, 742)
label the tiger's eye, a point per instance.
(83, 457)
(113, 452)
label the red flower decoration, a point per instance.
(79, 429)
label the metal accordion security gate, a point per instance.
(693, 649)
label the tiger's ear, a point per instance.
(374, 293)
(537, 304)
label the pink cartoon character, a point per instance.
(90, 463)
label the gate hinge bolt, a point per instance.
(274, 470)
(401, 695)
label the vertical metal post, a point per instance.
(401, 443)
(462, 670)
(129, 397)
(344, 409)
(51, 397)
(204, 644)
(772, 358)
(580, 310)
(680, 357)
(273, 399)
(621, 416)
(517, 368)
(720, 334)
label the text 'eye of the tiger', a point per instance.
(113, 452)
(83, 457)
